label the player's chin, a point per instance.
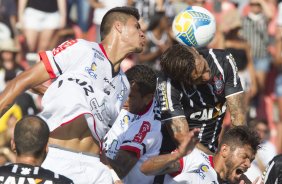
(139, 49)
(236, 176)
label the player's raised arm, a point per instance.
(235, 107)
(168, 163)
(26, 80)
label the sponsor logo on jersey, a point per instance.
(202, 170)
(20, 180)
(110, 83)
(98, 55)
(210, 113)
(98, 109)
(113, 149)
(144, 129)
(91, 70)
(162, 95)
(83, 84)
(63, 46)
(125, 120)
(218, 84)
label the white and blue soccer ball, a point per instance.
(195, 26)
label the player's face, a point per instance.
(133, 35)
(237, 163)
(202, 72)
(135, 103)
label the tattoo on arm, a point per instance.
(236, 109)
(177, 128)
(161, 164)
(123, 162)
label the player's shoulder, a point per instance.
(6, 169)
(163, 80)
(210, 53)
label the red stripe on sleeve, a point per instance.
(44, 58)
(131, 149)
(180, 169)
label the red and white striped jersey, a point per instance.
(84, 84)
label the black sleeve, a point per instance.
(273, 173)
(232, 80)
(169, 97)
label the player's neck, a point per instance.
(115, 51)
(29, 160)
(219, 166)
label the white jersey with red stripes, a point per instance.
(84, 83)
(196, 168)
(140, 134)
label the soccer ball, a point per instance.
(195, 26)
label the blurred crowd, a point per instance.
(249, 29)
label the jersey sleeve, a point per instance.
(232, 79)
(169, 97)
(142, 140)
(61, 58)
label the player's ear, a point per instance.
(13, 145)
(47, 148)
(224, 150)
(118, 26)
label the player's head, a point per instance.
(261, 127)
(123, 21)
(31, 136)
(142, 81)
(238, 148)
(184, 64)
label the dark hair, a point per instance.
(118, 13)
(144, 76)
(240, 136)
(31, 136)
(155, 20)
(253, 123)
(178, 63)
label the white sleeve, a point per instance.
(61, 58)
(143, 141)
(279, 17)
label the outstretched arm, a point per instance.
(236, 109)
(169, 163)
(26, 80)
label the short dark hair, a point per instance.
(118, 13)
(178, 63)
(144, 76)
(253, 123)
(240, 136)
(31, 136)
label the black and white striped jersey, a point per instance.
(28, 174)
(203, 105)
(273, 172)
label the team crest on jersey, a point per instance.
(91, 70)
(125, 120)
(201, 171)
(218, 84)
(25, 171)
